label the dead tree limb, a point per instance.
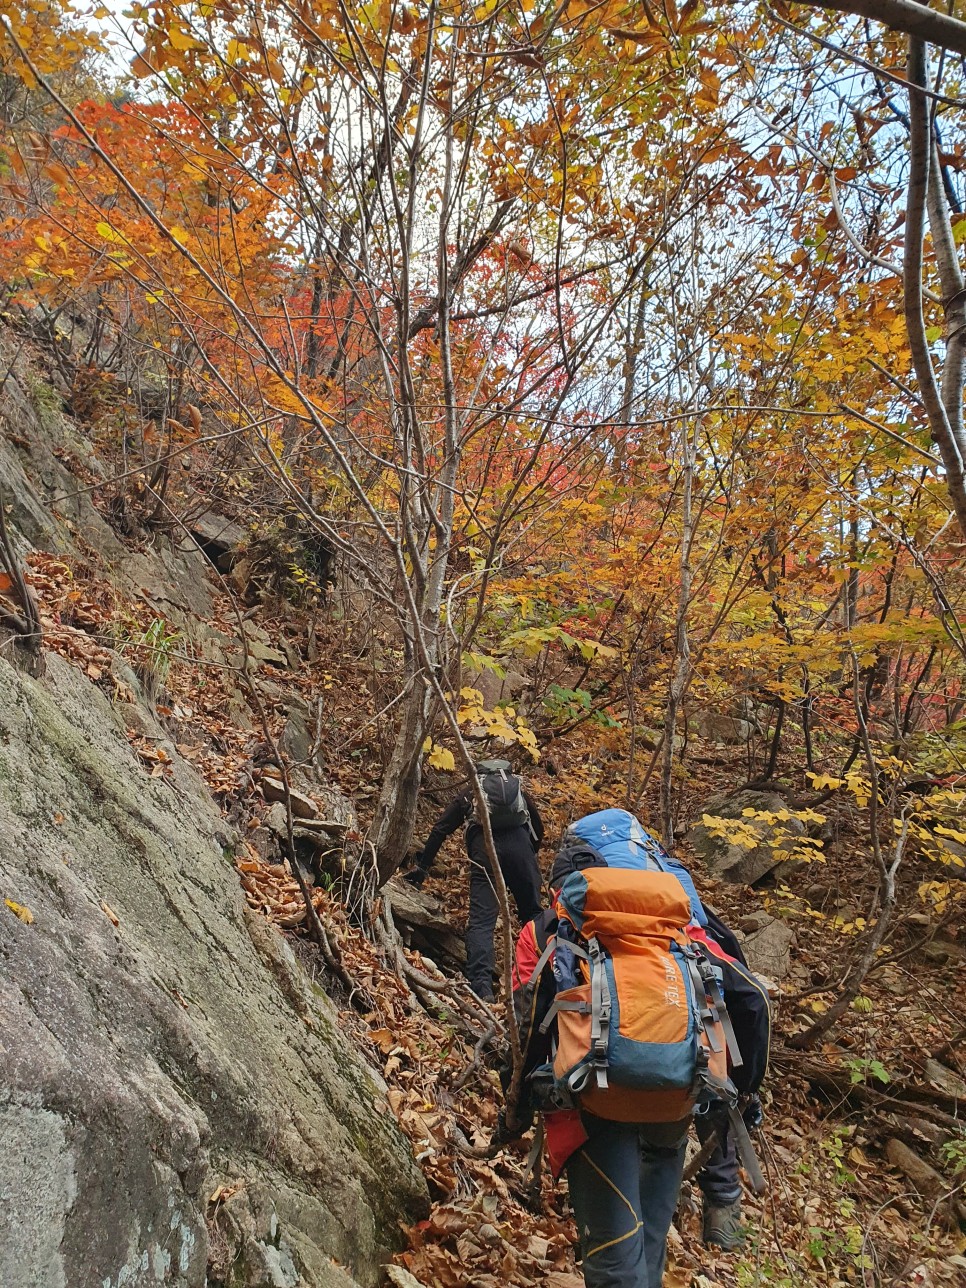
(942, 403)
(823, 1074)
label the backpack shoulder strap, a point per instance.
(521, 804)
(543, 959)
(600, 1013)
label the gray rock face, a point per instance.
(157, 1040)
(33, 477)
(741, 863)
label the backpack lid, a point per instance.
(614, 838)
(624, 901)
(619, 837)
(494, 767)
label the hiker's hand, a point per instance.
(415, 877)
(522, 1121)
(504, 1133)
(752, 1112)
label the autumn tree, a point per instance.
(487, 291)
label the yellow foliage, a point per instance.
(503, 723)
(440, 757)
(939, 894)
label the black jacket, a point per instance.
(458, 812)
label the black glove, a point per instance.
(752, 1112)
(523, 1120)
(415, 877)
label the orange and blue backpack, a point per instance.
(642, 1029)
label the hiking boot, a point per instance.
(722, 1226)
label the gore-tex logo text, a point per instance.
(672, 982)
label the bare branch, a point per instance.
(916, 20)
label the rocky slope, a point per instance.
(178, 1104)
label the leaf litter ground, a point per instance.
(836, 1212)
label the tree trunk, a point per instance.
(943, 406)
(395, 816)
(682, 643)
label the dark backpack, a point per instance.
(504, 796)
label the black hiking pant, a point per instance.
(718, 1179)
(518, 863)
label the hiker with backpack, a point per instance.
(517, 833)
(632, 1019)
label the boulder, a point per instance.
(220, 539)
(161, 1048)
(725, 730)
(943, 950)
(768, 948)
(273, 789)
(497, 689)
(754, 921)
(420, 919)
(651, 739)
(308, 769)
(745, 864)
(952, 857)
(259, 652)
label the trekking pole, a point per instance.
(746, 1151)
(702, 1157)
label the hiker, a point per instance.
(623, 1148)
(718, 1180)
(517, 833)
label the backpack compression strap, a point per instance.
(583, 1008)
(599, 1010)
(711, 1006)
(702, 1002)
(600, 1001)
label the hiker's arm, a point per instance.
(536, 822)
(452, 818)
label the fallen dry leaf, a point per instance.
(20, 912)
